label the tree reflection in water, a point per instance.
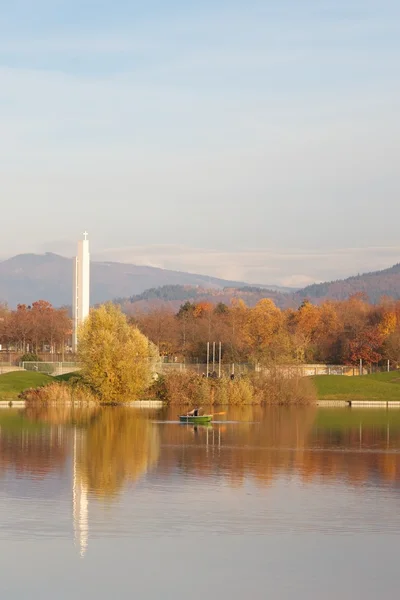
(118, 445)
(264, 444)
(255, 443)
(30, 448)
(115, 445)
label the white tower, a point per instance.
(80, 288)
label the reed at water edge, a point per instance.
(190, 389)
(58, 393)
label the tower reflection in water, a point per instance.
(108, 447)
(115, 448)
(111, 447)
(80, 500)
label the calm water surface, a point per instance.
(128, 503)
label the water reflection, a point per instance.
(351, 447)
(251, 443)
(30, 448)
(110, 446)
(101, 451)
(80, 503)
(118, 447)
(61, 415)
(115, 446)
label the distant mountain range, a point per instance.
(29, 277)
(374, 285)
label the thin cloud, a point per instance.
(293, 267)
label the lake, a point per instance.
(265, 503)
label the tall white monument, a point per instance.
(80, 288)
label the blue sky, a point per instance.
(213, 136)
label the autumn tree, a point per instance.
(35, 326)
(313, 330)
(21, 326)
(4, 324)
(329, 327)
(335, 332)
(162, 328)
(390, 328)
(361, 335)
(221, 309)
(265, 334)
(305, 322)
(116, 358)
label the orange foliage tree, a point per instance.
(338, 332)
(34, 327)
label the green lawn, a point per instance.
(380, 386)
(391, 377)
(12, 384)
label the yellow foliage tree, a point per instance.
(307, 320)
(116, 358)
(264, 333)
(388, 323)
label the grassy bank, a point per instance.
(12, 384)
(30, 385)
(379, 386)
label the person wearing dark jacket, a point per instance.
(193, 413)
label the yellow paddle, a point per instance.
(220, 413)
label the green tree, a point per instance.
(117, 359)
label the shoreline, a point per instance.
(136, 404)
(159, 404)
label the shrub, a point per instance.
(274, 387)
(30, 357)
(57, 392)
(188, 388)
(237, 392)
(241, 392)
(182, 388)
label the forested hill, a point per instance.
(173, 296)
(375, 285)
(29, 277)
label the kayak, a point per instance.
(200, 419)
